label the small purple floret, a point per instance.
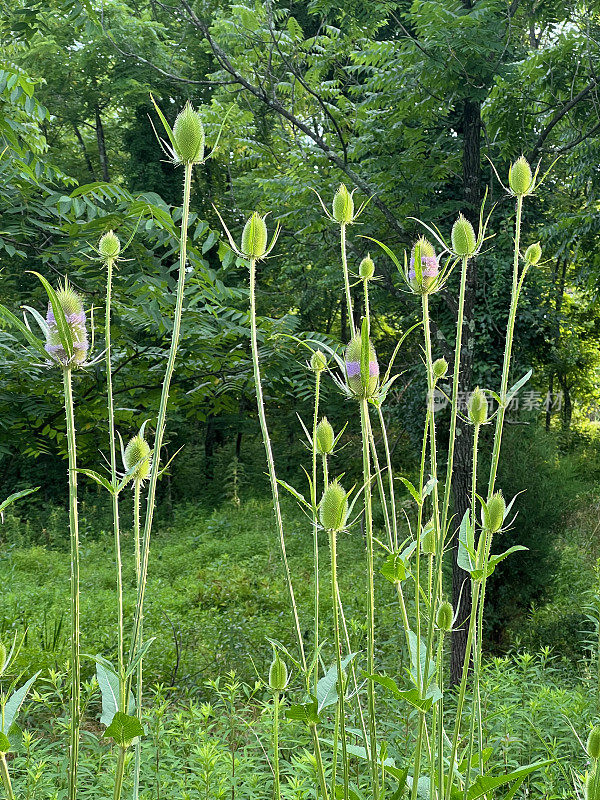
(430, 267)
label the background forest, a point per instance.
(411, 103)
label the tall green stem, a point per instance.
(455, 387)
(338, 660)
(137, 632)
(74, 529)
(315, 523)
(510, 328)
(113, 475)
(347, 279)
(364, 421)
(269, 453)
(5, 775)
(119, 773)
(139, 676)
(276, 747)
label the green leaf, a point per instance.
(16, 496)
(124, 729)
(304, 712)
(102, 481)
(485, 783)
(494, 560)
(327, 686)
(515, 388)
(394, 568)
(4, 743)
(412, 490)
(13, 705)
(139, 656)
(108, 680)
(410, 696)
(15, 322)
(466, 544)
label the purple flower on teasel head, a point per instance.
(429, 266)
(355, 379)
(72, 306)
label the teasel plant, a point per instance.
(65, 346)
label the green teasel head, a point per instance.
(362, 372)
(464, 241)
(325, 437)
(445, 617)
(188, 136)
(366, 268)
(343, 206)
(533, 254)
(440, 368)
(318, 361)
(477, 407)
(254, 237)
(138, 452)
(496, 510)
(334, 508)
(592, 786)
(109, 246)
(428, 541)
(520, 178)
(72, 307)
(593, 743)
(278, 674)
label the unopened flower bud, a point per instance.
(477, 407)
(445, 617)
(533, 253)
(278, 674)
(188, 133)
(72, 307)
(430, 267)
(343, 206)
(361, 386)
(109, 246)
(428, 541)
(333, 510)
(440, 368)
(324, 438)
(318, 362)
(520, 178)
(464, 241)
(254, 237)
(366, 268)
(593, 742)
(496, 509)
(137, 452)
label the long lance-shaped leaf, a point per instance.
(15, 322)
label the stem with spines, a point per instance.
(5, 775)
(276, 747)
(139, 677)
(270, 461)
(315, 522)
(338, 661)
(74, 531)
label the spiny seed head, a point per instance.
(343, 206)
(254, 237)
(592, 791)
(334, 509)
(355, 379)
(477, 407)
(318, 362)
(520, 178)
(533, 254)
(137, 452)
(366, 268)
(324, 438)
(445, 615)
(188, 133)
(74, 312)
(464, 241)
(109, 246)
(496, 511)
(593, 742)
(430, 267)
(440, 368)
(428, 541)
(278, 674)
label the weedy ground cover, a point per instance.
(365, 728)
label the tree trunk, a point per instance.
(463, 452)
(101, 146)
(86, 155)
